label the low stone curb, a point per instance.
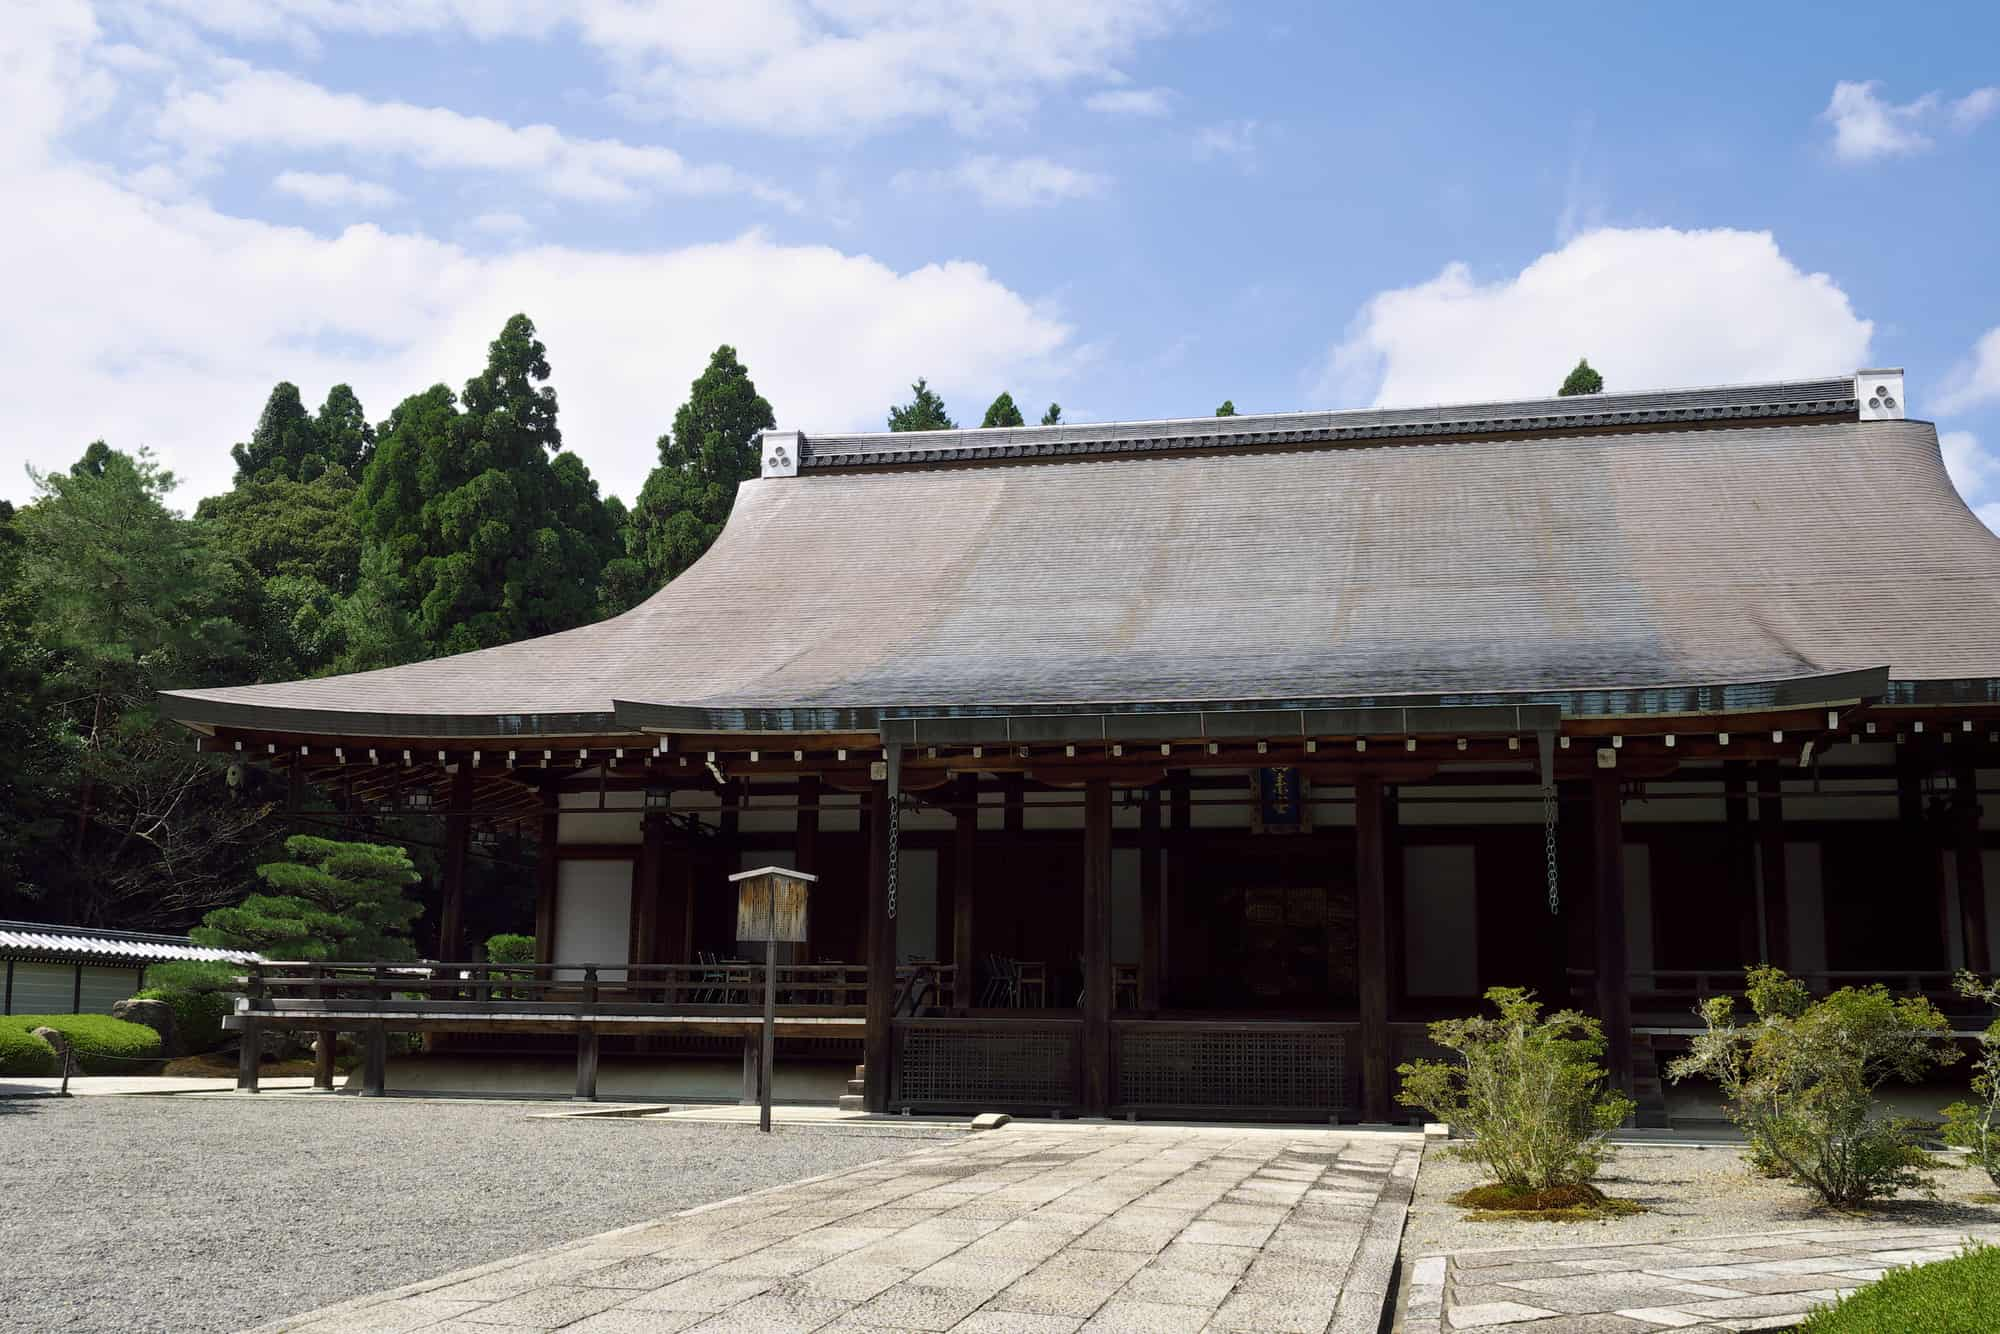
(1369, 1284)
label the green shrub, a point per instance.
(1801, 1082)
(1975, 1126)
(22, 1053)
(198, 1015)
(103, 1045)
(509, 948)
(1530, 1090)
(1955, 1296)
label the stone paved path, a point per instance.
(1024, 1230)
(1765, 1281)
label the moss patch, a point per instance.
(1579, 1203)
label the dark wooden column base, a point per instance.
(586, 1065)
(1097, 1091)
(1614, 981)
(329, 1042)
(375, 1062)
(246, 1057)
(876, 1035)
(1372, 948)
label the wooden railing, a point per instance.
(723, 987)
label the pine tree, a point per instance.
(924, 412)
(329, 900)
(1582, 380)
(711, 450)
(1053, 417)
(1228, 408)
(1002, 412)
(494, 533)
(346, 439)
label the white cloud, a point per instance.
(270, 110)
(1973, 470)
(1650, 308)
(799, 68)
(1990, 516)
(331, 189)
(1865, 127)
(1132, 102)
(1977, 380)
(1236, 140)
(1027, 182)
(503, 224)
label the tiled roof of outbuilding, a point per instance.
(73, 944)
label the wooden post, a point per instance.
(1372, 924)
(1097, 1091)
(328, 1043)
(1152, 911)
(753, 1066)
(1771, 857)
(876, 1036)
(457, 843)
(965, 894)
(375, 1062)
(1970, 860)
(1614, 983)
(805, 850)
(586, 1064)
(1738, 851)
(647, 875)
(547, 862)
(246, 1057)
(768, 1039)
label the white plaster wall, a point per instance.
(105, 987)
(582, 822)
(1441, 921)
(43, 988)
(594, 916)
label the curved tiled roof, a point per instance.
(1576, 568)
(82, 944)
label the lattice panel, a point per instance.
(976, 1067)
(1244, 1068)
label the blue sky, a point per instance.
(1137, 208)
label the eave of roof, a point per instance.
(79, 944)
(1792, 400)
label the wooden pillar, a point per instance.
(246, 1057)
(965, 894)
(1372, 925)
(876, 1035)
(375, 1062)
(805, 852)
(1771, 859)
(1914, 763)
(457, 844)
(586, 1064)
(546, 863)
(753, 1070)
(1152, 909)
(324, 1048)
(1097, 1091)
(1614, 981)
(647, 875)
(1970, 860)
(1739, 866)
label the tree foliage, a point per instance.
(1228, 408)
(1800, 1080)
(1582, 380)
(327, 900)
(924, 412)
(1531, 1090)
(1002, 412)
(493, 534)
(1053, 417)
(711, 450)
(1974, 1124)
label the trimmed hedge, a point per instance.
(510, 948)
(198, 1015)
(22, 1053)
(1956, 1296)
(103, 1045)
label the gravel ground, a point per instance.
(1688, 1192)
(180, 1214)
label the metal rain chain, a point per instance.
(1546, 742)
(894, 770)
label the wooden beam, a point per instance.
(1614, 982)
(586, 1064)
(1372, 948)
(1971, 865)
(965, 894)
(457, 842)
(1152, 911)
(805, 848)
(1097, 989)
(1771, 861)
(876, 1036)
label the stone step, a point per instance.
(857, 1086)
(851, 1102)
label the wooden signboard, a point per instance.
(771, 905)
